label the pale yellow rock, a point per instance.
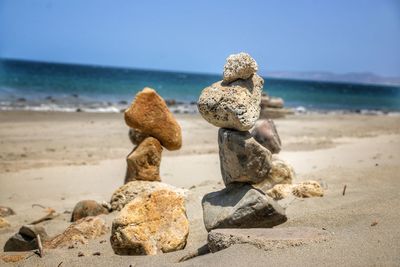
(281, 173)
(151, 224)
(308, 189)
(4, 223)
(78, 232)
(280, 191)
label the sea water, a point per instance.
(65, 87)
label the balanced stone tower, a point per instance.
(246, 146)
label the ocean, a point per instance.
(41, 86)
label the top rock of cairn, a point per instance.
(239, 66)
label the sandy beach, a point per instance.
(57, 159)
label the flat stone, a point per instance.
(133, 189)
(239, 66)
(266, 239)
(149, 114)
(6, 211)
(143, 163)
(80, 231)
(234, 106)
(264, 131)
(239, 205)
(87, 208)
(151, 224)
(281, 173)
(136, 136)
(242, 158)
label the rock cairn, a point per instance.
(245, 150)
(273, 107)
(152, 217)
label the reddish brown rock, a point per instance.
(87, 208)
(149, 114)
(143, 163)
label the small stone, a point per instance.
(136, 136)
(234, 106)
(242, 158)
(275, 102)
(26, 238)
(96, 253)
(275, 113)
(150, 224)
(32, 231)
(281, 173)
(264, 131)
(4, 223)
(308, 189)
(239, 66)
(149, 114)
(80, 254)
(240, 205)
(263, 238)
(132, 190)
(143, 163)
(78, 232)
(6, 211)
(87, 208)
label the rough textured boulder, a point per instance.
(308, 189)
(87, 208)
(240, 205)
(149, 114)
(239, 66)
(143, 163)
(26, 238)
(234, 106)
(280, 173)
(150, 224)
(6, 211)
(4, 223)
(266, 239)
(242, 158)
(280, 191)
(132, 190)
(264, 131)
(78, 232)
(136, 136)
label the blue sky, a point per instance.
(338, 36)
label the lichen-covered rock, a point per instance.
(281, 173)
(239, 66)
(264, 131)
(242, 158)
(143, 163)
(308, 189)
(133, 189)
(149, 114)
(136, 136)
(150, 224)
(6, 211)
(234, 106)
(240, 205)
(4, 223)
(87, 208)
(78, 232)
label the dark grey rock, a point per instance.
(264, 131)
(242, 158)
(239, 205)
(25, 239)
(264, 238)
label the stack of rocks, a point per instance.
(152, 214)
(273, 107)
(247, 166)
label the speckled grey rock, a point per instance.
(133, 189)
(136, 136)
(266, 239)
(264, 131)
(239, 66)
(234, 106)
(240, 205)
(242, 158)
